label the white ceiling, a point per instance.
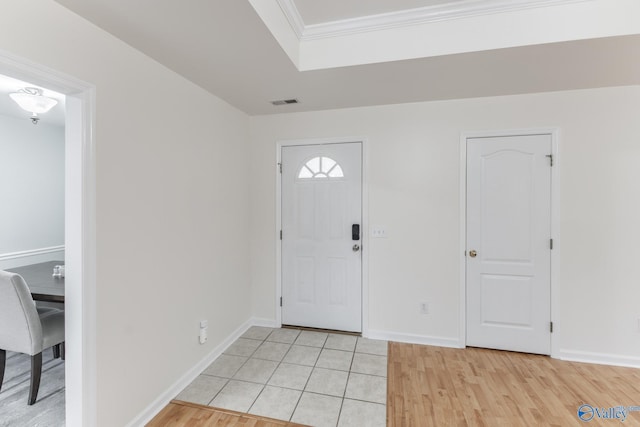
(8, 107)
(224, 47)
(316, 12)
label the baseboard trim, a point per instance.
(267, 323)
(31, 252)
(163, 400)
(414, 339)
(599, 358)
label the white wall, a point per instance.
(172, 209)
(413, 170)
(32, 192)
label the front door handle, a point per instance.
(356, 248)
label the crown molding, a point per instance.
(423, 15)
(293, 16)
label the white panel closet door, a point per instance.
(508, 243)
(321, 262)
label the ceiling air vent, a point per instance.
(285, 102)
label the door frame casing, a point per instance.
(555, 222)
(80, 231)
(365, 221)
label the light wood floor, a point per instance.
(178, 414)
(435, 386)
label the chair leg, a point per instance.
(62, 351)
(3, 359)
(36, 372)
(56, 351)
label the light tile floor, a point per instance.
(312, 378)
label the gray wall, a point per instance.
(31, 190)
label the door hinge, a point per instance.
(280, 167)
(551, 327)
(551, 244)
(550, 156)
(280, 234)
(280, 301)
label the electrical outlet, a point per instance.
(204, 324)
(424, 308)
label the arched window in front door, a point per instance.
(320, 168)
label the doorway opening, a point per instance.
(79, 235)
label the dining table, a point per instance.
(44, 286)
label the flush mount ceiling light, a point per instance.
(31, 99)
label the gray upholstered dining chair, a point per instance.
(24, 330)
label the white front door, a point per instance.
(508, 261)
(321, 221)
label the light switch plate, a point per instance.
(378, 232)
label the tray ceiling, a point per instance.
(225, 47)
(316, 12)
